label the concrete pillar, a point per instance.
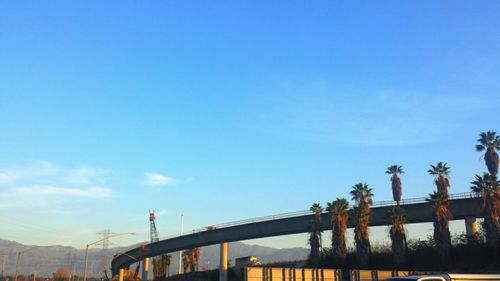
(471, 228)
(120, 278)
(223, 261)
(145, 269)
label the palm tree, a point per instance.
(491, 142)
(158, 267)
(339, 216)
(395, 171)
(362, 195)
(442, 216)
(317, 210)
(193, 257)
(186, 262)
(397, 234)
(441, 173)
(196, 254)
(489, 188)
(315, 229)
(167, 261)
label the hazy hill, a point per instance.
(43, 260)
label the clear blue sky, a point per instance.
(227, 110)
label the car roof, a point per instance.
(474, 276)
(453, 276)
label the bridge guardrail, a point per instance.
(386, 203)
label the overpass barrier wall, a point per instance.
(257, 273)
(387, 203)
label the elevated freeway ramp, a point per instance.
(462, 206)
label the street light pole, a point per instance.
(93, 243)
(86, 260)
(17, 265)
(179, 265)
(4, 259)
(3, 266)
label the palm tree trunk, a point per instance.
(362, 244)
(338, 243)
(396, 188)
(491, 159)
(442, 238)
(314, 256)
(363, 251)
(398, 248)
(492, 229)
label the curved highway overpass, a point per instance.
(417, 210)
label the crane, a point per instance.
(159, 264)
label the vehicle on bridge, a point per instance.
(448, 277)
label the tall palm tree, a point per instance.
(395, 171)
(441, 176)
(441, 216)
(158, 268)
(397, 233)
(362, 195)
(196, 257)
(317, 210)
(315, 230)
(186, 262)
(167, 261)
(489, 188)
(339, 215)
(491, 142)
(193, 257)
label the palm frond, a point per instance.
(361, 193)
(394, 170)
(316, 207)
(491, 136)
(483, 139)
(480, 147)
(440, 169)
(486, 185)
(338, 206)
(488, 139)
(478, 185)
(397, 217)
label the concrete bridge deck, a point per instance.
(417, 210)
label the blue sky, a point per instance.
(227, 110)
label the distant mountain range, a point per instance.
(44, 260)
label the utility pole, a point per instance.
(104, 253)
(94, 243)
(180, 252)
(17, 265)
(70, 263)
(3, 265)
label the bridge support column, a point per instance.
(471, 228)
(145, 269)
(120, 274)
(223, 261)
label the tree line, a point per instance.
(486, 186)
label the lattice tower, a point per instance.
(104, 253)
